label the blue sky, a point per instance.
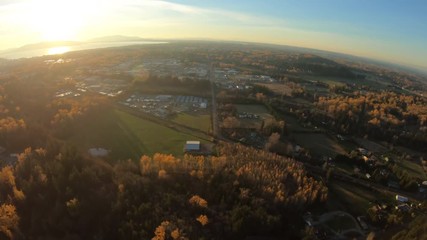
(393, 30)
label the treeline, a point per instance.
(55, 193)
(397, 118)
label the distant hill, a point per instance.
(379, 63)
(116, 38)
(334, 56)
(42, 48)
(315, 59)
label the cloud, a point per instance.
(186, 9)
(208, 14)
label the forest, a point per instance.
(384, 116)
(55, 193)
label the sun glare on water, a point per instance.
(58, 50)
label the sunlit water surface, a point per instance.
(27, 53)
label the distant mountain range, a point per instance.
(119, 38)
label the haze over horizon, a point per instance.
(393, 31)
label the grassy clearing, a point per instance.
(128, 136)
(414, 169)
(371, 145)
(329, 80)
(348, 146)
(370, 82)
(278, 88)
(293, 124)
(319, 144)
(351, 198)
(340, 223)
(254, 109)
(316, 89)
(345, 167)
(198, 121)
(413, 166)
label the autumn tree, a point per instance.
(8, 221)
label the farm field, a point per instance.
(371, 146)
(351, 198)
(278, 88)
(128, 136)
(257, 109)
(374, 83)
(253, 108)
(339, 82)
(197, 121)
(413, 168)
(341, 224)
(319, 144)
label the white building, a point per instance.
(401, 198)
(192, 146)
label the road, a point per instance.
(215, 128)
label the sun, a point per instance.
(57, 20)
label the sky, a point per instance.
(391, 30)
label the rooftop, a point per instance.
(192, 146)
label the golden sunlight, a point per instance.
(58, 50)
(60, 20)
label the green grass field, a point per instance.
(329, 80)
(253, 108)
(351, 198)
(319, 144)
(375, 147)
(339, 223)
(197, 121)
(414, 169)
(371, 82)
(128, 136)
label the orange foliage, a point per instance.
(203, 219)
(196, 200)
(10, 124)
(8, 220)
(384, 107)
